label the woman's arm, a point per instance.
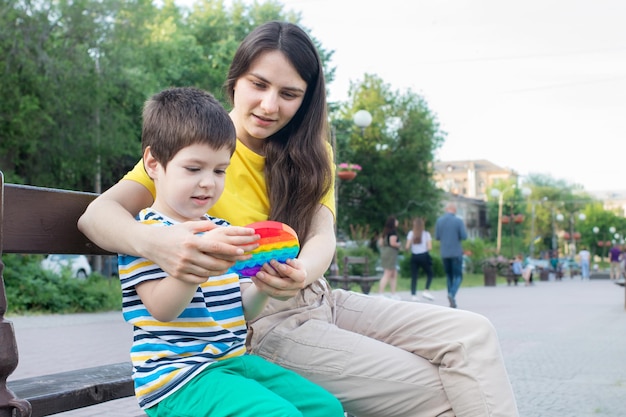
(283, 281)
(109, 220)
(179, 250)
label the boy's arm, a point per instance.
(253, 300)
(166, 298)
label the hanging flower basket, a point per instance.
(346, 175)
(347, 171)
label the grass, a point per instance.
(438, 283)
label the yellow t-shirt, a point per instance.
(245, 199)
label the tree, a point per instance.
(396, 152)
(76, 74)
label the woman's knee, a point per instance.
(477, 327)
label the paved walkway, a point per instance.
(564, 345)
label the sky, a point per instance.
(537, 86)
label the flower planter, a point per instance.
(346, 175)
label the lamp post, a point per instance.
(571, 234)
(603, 243)
(532, 227)
(500, 196)
(596, 230)
(581, 217)
(362, 119)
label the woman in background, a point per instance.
(420, 243)
(389, 245)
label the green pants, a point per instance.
(248, 386)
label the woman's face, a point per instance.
(266, 98)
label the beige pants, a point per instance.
(382, 357)
(616, 270)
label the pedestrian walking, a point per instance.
(420, 243)
(450, 232)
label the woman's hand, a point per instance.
(281, 281)
(199, 249)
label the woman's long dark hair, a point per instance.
(298, 170)
(389, 229)
(418, 229)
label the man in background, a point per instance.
(450, 232)
(615, 256)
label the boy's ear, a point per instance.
(150, 164)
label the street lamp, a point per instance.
(571, 234)
(581, 217)
(362, 119)
(500, 196)
(603, 242)
(532, 227)
(596, 230)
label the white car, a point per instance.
(78, 264)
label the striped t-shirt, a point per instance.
(166, 355)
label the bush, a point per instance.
(477, 252)
(30, 289)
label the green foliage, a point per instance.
(30, 289)
(477, 251)
(76, 75)
(360, 250)
(396, 152)
(550, 200)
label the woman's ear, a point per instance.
(150, 164)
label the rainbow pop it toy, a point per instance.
(278, 241)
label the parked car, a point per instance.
(78, 264)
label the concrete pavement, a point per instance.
(564, 344)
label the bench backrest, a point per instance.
(43, 220)
(35, 220)
(362, 261)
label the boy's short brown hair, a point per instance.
(183, 116)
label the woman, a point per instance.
(389, 243)
(380, 357)
(420, 243)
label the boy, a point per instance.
(189, 356)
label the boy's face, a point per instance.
(192, 182)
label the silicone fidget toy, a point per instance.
(278, 241)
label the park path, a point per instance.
(564, 344)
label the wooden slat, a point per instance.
(56, 393)
(43, 220)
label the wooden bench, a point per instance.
(36, 220)
(364, 279)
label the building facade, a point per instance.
(470, 178)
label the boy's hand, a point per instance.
(281, 280)
(197, 250)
